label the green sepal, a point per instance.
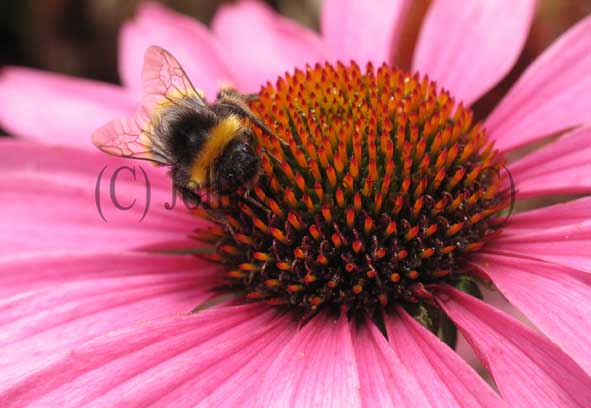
(467, 284)
(421, 314)
(447, 330)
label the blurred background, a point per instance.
(79, 37)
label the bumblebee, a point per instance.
(208, 147)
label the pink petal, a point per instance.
(48, 202)
(562, 167)
(57, 302)
(415, 370)
(363, 30)
(546, 234)
(38, 272)
(56, 109)
(553, 94)
(262, 44)
(385, 380)
(316, 368)
(529, 370)
(566, 315)
(179, 361)
(445, 377)
(568, 245)
(467, 47)
(189, 41)
(247, 367)
(572, 212)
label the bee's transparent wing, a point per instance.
(165, 81)
(131, 137)
(165, 84)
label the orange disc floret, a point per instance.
(373, 183)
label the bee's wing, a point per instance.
(131, 137)
(165, 84)
(165, 81)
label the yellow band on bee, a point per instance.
(219, 136)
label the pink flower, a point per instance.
(97, 314)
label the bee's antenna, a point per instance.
(271, 155)
(268, 131)
(229, 98)
(259, 123)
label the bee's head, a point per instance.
(238, 166)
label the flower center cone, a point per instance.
(374, 187)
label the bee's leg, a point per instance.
(230, 229)
(182, 183)
(191, 199)
(248, 198)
